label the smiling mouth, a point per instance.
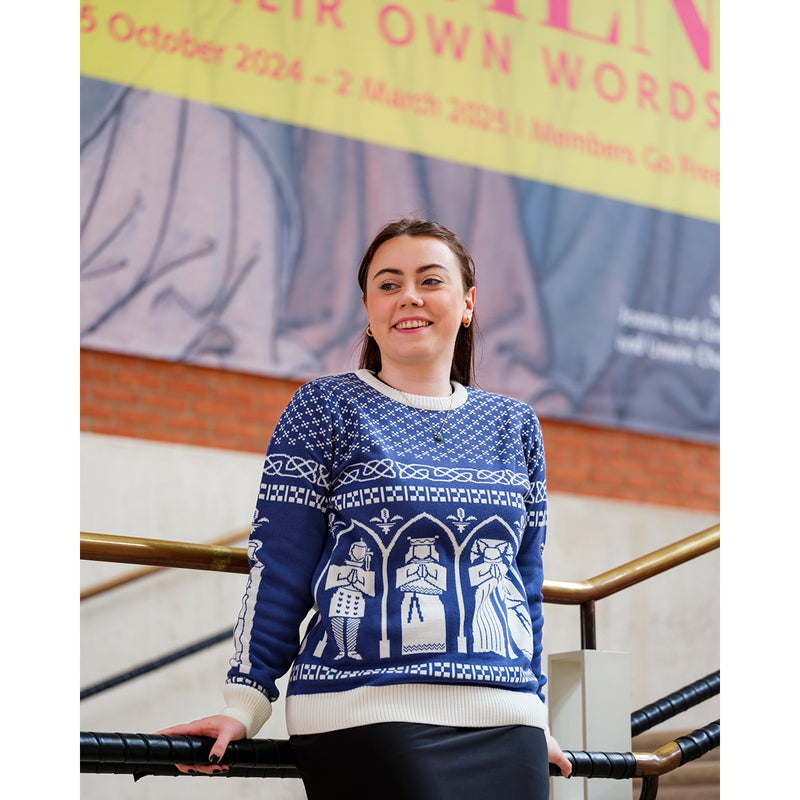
(413, 323)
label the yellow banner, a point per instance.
(618, 98)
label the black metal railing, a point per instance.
(156, 663)
(141, 755)
(667, 707)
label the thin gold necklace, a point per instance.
(437, 435)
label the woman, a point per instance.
(381, 486)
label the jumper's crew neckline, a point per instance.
(458, 398)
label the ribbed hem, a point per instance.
(248, 705)
(430, 704)
(416, 400)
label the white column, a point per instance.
(589, 702)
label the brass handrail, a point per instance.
(665, 759)
(130, 577)
(636, 571)
(162, 553)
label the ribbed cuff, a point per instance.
(248, 705)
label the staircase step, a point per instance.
(683, 792)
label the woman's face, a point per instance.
(416, 300)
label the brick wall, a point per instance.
(169, 402)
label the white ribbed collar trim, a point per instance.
(415, 400)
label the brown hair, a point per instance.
(463, 364)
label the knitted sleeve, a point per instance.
(287, 538)
(529, 558)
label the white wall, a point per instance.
(669, 625)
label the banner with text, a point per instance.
(237, 156)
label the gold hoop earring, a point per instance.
(467, 322)
(369, 332)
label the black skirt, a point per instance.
(407, 761)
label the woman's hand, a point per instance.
(555, 755)
(223, 729)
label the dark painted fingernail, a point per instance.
(213, 759)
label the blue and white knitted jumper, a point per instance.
(421, 558)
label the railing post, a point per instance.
(588, 627)
(589, 701)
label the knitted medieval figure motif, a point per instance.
(352, 580)
(500, 618)
(422, 580)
